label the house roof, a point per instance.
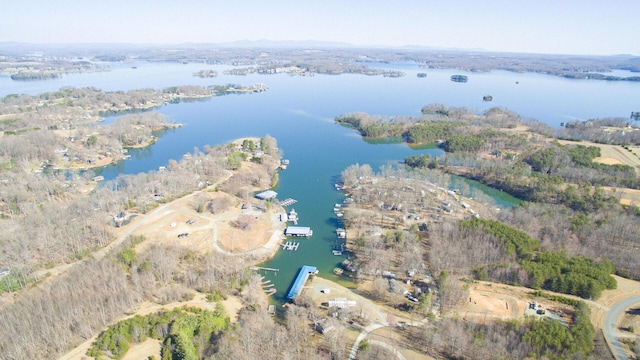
(269, 194)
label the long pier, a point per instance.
(264, 268)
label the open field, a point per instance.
(209, 232)
(488, 302)
(612, 154)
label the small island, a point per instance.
(459, 78)
(206, 73)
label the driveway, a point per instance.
(610, 329)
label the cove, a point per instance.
(299, 112)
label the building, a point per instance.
(266, 195)
(299, 231)
(341, 303)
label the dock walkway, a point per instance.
(288, 202)
(263, 268)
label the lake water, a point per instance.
(299, 113)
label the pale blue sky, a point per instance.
(543, 26)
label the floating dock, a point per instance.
(300, 280)
(288, 202)
(291, 245)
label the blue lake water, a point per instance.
(299, 113)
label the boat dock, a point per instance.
(300, 280)
(291, 245)
(292, 216)
(299, 231)
(270, 292)
(267, 287)
(288, 202)
(258, 268)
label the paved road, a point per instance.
(610, 329)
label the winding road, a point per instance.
(610, 330)
(140, 220)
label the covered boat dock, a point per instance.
(300, 231)
(300, 280)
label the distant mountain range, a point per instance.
(20, 48)
(249, 44)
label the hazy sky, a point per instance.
(538, 26)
